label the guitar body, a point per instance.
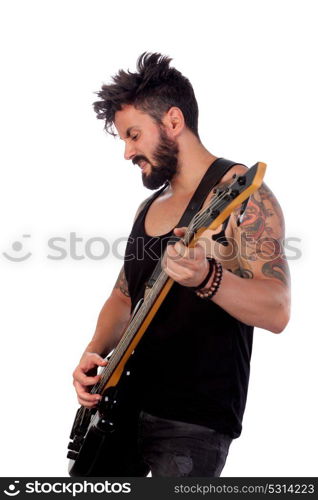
(104, 442)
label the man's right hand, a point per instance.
(82, 382)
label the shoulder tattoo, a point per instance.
(262, 235)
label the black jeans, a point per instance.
(178, 449)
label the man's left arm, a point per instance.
(258, 292)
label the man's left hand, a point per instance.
(187, 266)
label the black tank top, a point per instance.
(193, 362)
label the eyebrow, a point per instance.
(129, 129)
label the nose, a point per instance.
(130, 150)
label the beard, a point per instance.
(166, 163)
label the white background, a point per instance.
(252, 65)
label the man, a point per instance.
(191, 368)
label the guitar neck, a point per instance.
(138, 323)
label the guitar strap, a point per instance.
(211, 177)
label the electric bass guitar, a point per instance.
(95, 446)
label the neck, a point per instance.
(193, 161)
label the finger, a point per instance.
(87, 367)
(92, 360)
(86, 404)
(86, 396)
(98, 359)
(185, 261)
(180, 231)
(177, 271)
(181, 250)
(186, 256)
(198, 252)
(83, 379)
(171, 252)
(170, 256)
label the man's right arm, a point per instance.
(112, 319)
(111, 323)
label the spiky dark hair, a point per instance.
(154, 88)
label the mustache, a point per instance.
(139, 158)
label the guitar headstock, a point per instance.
(227, 199)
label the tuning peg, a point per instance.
(234, 193)
(241, 180)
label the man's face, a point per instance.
(147, 145)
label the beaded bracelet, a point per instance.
(212, 263)
(208, 293)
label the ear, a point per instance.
(173, 121)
